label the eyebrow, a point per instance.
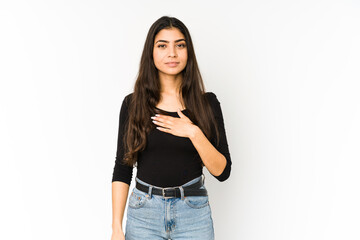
(174, 41)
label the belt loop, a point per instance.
(181, 192)
(150, 191)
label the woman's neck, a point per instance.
(170, 84)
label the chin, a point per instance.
(174, 72)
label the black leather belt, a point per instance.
(170, 192)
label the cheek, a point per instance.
(157, 56)
(184, 58)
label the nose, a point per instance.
(172, 51)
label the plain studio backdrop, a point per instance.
(285, 72)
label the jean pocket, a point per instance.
(137, 199)
(197, 201)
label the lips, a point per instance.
(172, 64)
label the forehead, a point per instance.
(171, 34)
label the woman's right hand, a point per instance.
(118, 235)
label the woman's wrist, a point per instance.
(117, 228)
(195, 131)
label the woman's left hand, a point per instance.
(181, 127)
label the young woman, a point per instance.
(169, 128)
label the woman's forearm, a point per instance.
(120, 191)
(213, 160)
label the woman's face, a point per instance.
(170, 46)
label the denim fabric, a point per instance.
(153, 217)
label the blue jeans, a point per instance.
(153, 217)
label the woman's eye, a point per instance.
(163, 45)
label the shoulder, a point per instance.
(211, 97)
(127, 99)
(129, 96)
(214, 103)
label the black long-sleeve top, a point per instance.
(169, 160)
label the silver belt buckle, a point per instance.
(163, 191)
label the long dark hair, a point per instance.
(146, 95)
